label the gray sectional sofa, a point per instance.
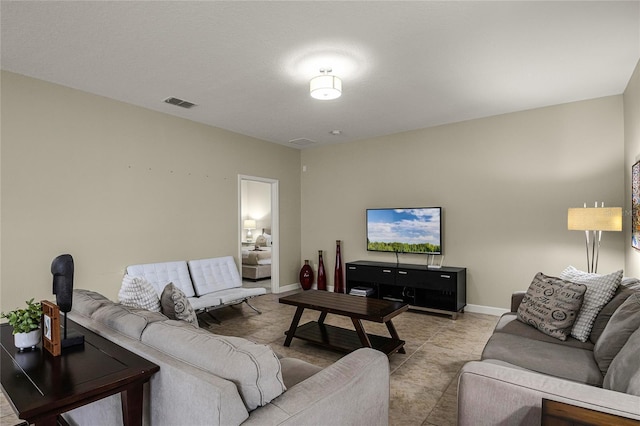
(520, 366)
(208, 379)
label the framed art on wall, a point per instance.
(635, 206)
(51, 327)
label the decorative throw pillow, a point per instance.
(175, 305)
(137, 292)
(600, 290)
(551, 305)
(622, 294)
(623, 323)
(623, 374)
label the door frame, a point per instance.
(275, 227)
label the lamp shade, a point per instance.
(325, 87)
(595, 219)
(249, 224)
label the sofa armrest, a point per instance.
(516, 299)
(496, 393)
(353, 390)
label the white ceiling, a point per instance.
(405, 65)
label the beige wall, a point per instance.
(631, 155)
(114, 184)
(505, 184)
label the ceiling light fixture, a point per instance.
(325, 87)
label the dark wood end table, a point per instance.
(40, 386)
(355, 307)
(555, 413)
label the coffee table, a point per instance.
(355, 307)
(40, 386)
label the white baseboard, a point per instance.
(289, 287)
(488, 310)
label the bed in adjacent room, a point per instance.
(256, 261)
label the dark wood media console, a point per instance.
(442, 290)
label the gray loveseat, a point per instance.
(207, 379)
(520, 366)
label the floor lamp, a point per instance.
(594, 220)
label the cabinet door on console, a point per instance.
(412, 277)
(372, 274)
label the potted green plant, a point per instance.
(26, 324)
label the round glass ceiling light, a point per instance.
(325, 87)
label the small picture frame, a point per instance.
(51, 327)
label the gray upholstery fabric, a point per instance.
(254, 368)
(492, 395)
(624, 372)
(86, 302)
(295, 371)
(622, 324)
(209, 398)
(354, 391)
(552, 305)
(508, 323)
(128, 321)
(622, 293)
(516, 300)
(544, 357)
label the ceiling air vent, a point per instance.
(179, 102)
(301, 142)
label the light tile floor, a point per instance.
(423, 381)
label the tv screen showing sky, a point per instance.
(415, 230)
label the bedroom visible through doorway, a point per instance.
(257, 232)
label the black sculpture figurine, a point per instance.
(62, 270)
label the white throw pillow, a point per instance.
(600, 290)
(137, 292)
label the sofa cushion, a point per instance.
(86, 302)
(136, 292)
(621, 294)
(508, 323)
(624, 372)
(544, 357)
(252, 367)
(129, 321)
(175, 305)
(622, 324)
(600, 290)
(551, 305)
(296, 370)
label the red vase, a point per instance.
(322, 278)
(306, 276)
(338, 278)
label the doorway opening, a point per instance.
(258, 232)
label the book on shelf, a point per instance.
(361, 291)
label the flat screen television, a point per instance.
(406, 230)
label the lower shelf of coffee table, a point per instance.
(341, 339)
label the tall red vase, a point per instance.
(306, 276)
(322, 278)
(338, 278)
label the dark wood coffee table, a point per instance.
(40, 386)
(355, 307)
